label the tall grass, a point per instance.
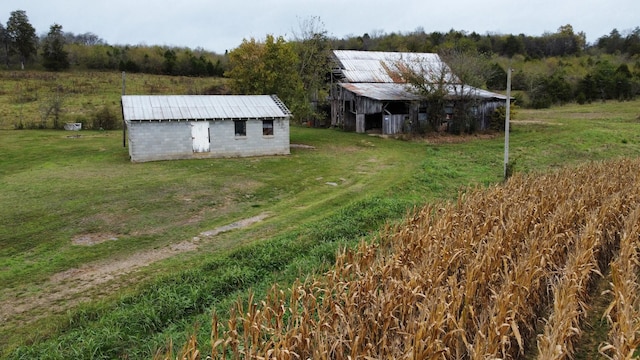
(25, 95)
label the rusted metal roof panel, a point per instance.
(202, 107)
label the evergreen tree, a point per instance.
(5, 44)
(54, 57)
(22, 36)
(624, 83)
(497, 79)
(587, 89)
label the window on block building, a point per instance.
(240, 127)
(267, 127)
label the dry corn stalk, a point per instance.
(570, 291)
(462, 281)
(624, 312)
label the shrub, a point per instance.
(106, 119)
(581, 98)
(499, 115)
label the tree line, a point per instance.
(58, 50)
(564, 42)
(552, 68)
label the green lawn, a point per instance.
(55, 188)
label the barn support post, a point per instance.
(413, 117)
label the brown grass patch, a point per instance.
(93, 239)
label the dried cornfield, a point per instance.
(504, 272)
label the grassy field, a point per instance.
(25, 96)
(101, 258)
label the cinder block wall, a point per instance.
(224, 142)
(165, 140)
(169, 140)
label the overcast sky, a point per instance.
(222, 25)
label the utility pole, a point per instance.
(506, 124)
(124, 124)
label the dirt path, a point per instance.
(65, 289)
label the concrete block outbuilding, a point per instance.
(167, 127)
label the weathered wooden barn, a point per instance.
(203, 126)
(368, 95)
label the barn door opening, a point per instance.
(200, 136)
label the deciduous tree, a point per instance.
(431, 80)
(446, 85)
(471, 71)
(314, 49)
(269, 67)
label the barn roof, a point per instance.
(202, 107)
(402, 92)
(375, 74)
(382, 67)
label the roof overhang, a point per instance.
(405, 92)
(382, 91)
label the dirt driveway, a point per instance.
(64, 289)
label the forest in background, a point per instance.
(549, 69)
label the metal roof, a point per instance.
(383, 67)
(404, 92)
(476, 93)
(202, 107)
(375, 74)
(382, 91)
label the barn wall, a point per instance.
(170, 140)
(360, 123)
(351, 110)
(368, 106)
(393, 124)
(486, 109)
(349, 121)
